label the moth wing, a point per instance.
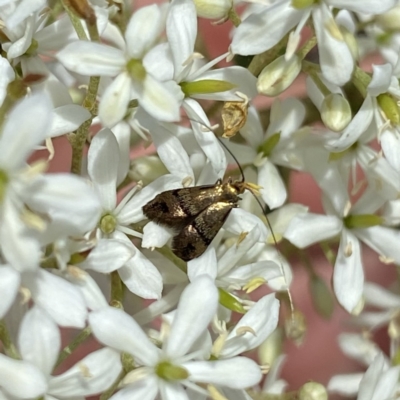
(193, 240)
(177, 208)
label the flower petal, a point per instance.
(68, 310)
(92, 375)
(67, 118)
(348, 274)
(103, 159)
(116, 329)
(39, 340)
(236, 373)
(307, 229)
(91, 59)
(262, 318)
(21, 379)
(373, 6)
(273, 190)
(9, 285)
(197, 306)
(205, 264)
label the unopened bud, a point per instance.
(213, 9)
(278, 76)
(389, 107)
(335, 112)
(313, 391)
(351, 42)
(389, 21)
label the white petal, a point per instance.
(155, 236)
(181, 32)
(240, 221)
(7, 75)
(244, 80)
(9, 285)
(206, 138)
(306, 229)
(94, 297)
(383, 240)
(143, 29)
(197, 306)
(336, 60)
(160, 99)
(62, 301)
(236, 373)
(115, 99)
(171, 151)
(346, 385)
(103, 159)
(132, 211)
(67, 199)
(143, 389)
(21, 135)
(372, 6)
(205, 264)
(264, 269)
(122, 132)
(108, 255)
(273, 190)
(142, 277)
(348, 274)
(21, 379)
(355, 129)
(91, 375)
(116, 329)
(90, 59)
(68, 118)
(252, 130)
(172, 391)
(22, 11)
(378, 296)
(262, 318)
(381, 77)
(21, 45)
(19, 246)
(390, 144)
(39, 340)
(263, 30)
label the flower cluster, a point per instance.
(156, 256)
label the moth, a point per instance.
(195, 213)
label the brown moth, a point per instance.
(196, 213)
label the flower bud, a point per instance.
(335, 112)
(301, 4)
(278, 76)
(313, 391)
(389, 21)
(389, 107)
(351, 42)
(213, 9)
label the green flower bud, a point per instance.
(321, 297)
(389, 21)
(278, 76)
(213, 9)
(170, 372)
(230, 302)
(205, 86)
(335, 112)
(313, 391)
(362, 221)
(389, 107)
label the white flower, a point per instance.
(39, 342)
(128, 65)
(53, 196)
(166, 371)
(264, 29)
(116, 251)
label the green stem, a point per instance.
(67, 351)
(329, 254)
(8, 345)
(307, 47)
(75, 21)
(110, 391)
(361, 80)
(234, 17)
(117, 290)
